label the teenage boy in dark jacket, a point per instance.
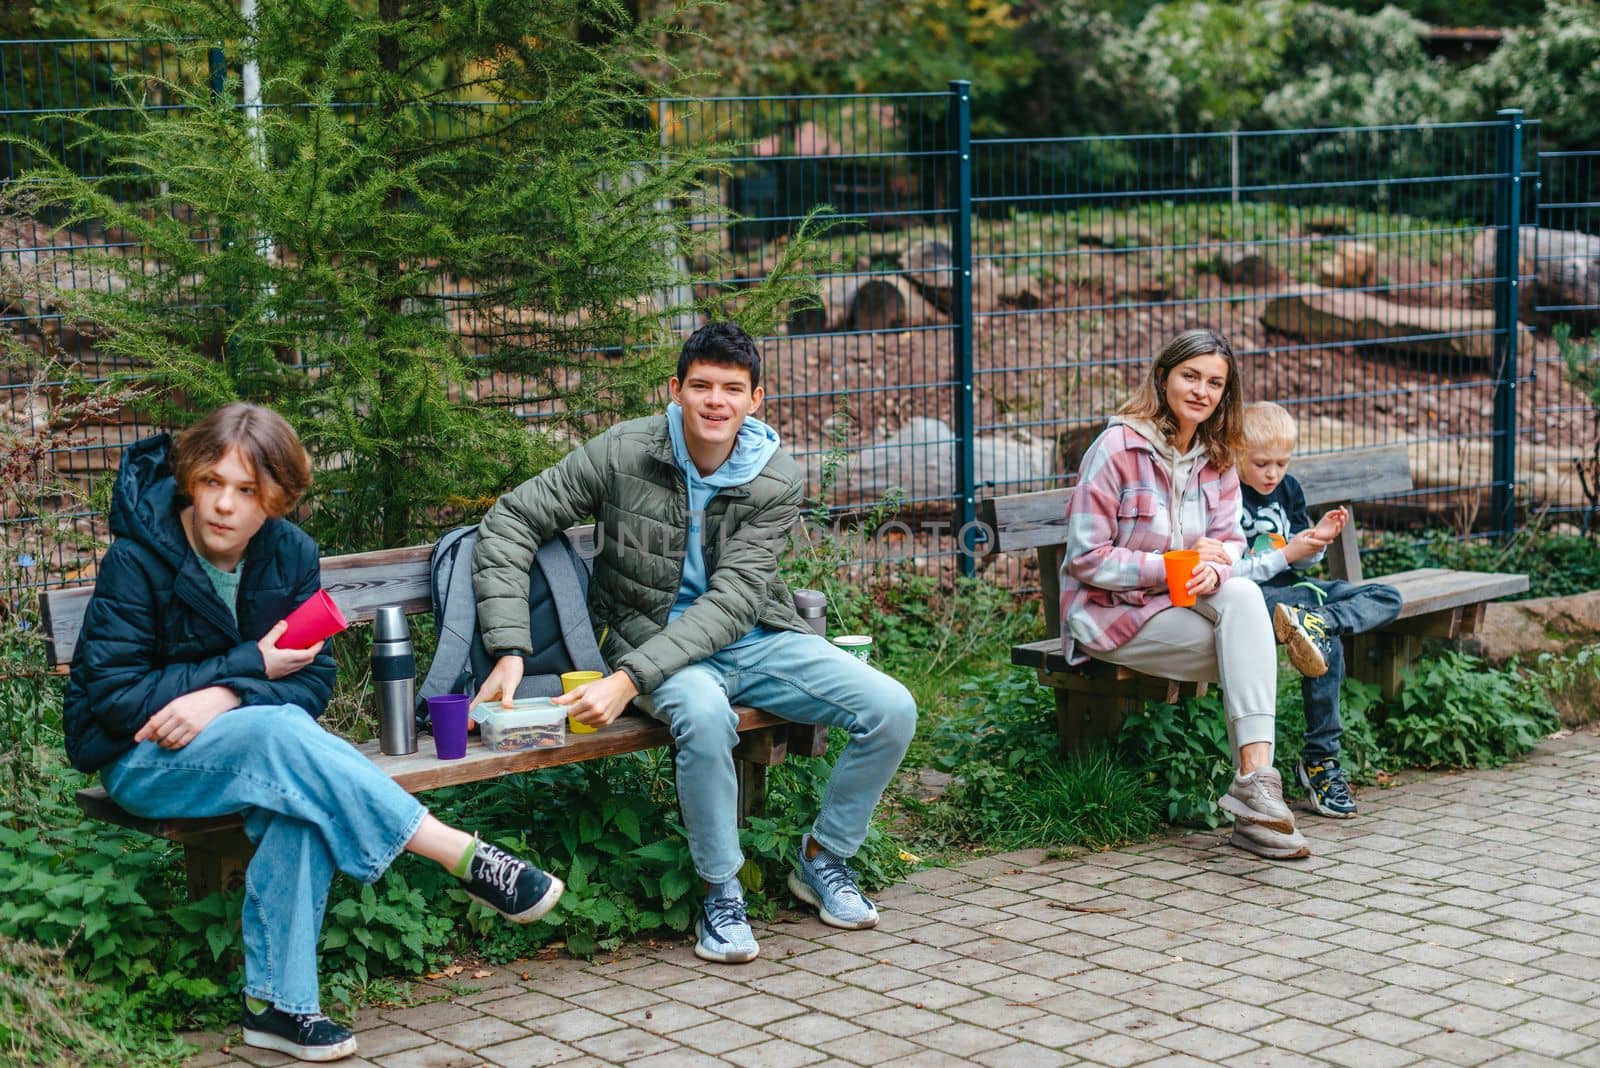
(183, 701)
(693, 508)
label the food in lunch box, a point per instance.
(530, 723)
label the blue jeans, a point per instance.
(800, 677)
(1346, 608)
(311, 803)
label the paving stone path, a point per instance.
(1455, 922)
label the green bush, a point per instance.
(1551, 70)
(1456, 712)
(1184, 751)
(1556, 564)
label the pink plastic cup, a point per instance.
(448, 714)
(313, 621)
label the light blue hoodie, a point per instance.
(752, 449)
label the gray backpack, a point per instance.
(558, 620)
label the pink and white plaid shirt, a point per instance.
(1119, 522)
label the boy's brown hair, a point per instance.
(267, 444)
(1269, 426)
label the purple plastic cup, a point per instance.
(448, 714)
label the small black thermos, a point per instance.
(394, 677)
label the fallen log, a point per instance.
(1336, 316)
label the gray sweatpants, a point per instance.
(1225, 638)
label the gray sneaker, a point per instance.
(722, 931)
(1265, 842)
(1258, 798)
(828, 885)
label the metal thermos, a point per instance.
(813, 608)
(394, 677)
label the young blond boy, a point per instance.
(1308, 616)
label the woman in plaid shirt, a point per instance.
(1162, 476)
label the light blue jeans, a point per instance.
(311, 803)
(800, 677)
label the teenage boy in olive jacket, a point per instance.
(692, 508)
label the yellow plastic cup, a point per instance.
(571, 680)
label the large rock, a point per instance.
(1335, 315)
(1562, 265)
(1541, 625)
(1558, 625)
(1354, 264)
(919, 460)
(930, 265)
(1247, 266)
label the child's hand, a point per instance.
(1211, 551)
(182, 719)
(1329, 526)
(280, 663)
(1303, 545)
(598, 703)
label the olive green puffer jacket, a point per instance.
(626, 480)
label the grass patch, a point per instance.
(49, 1018)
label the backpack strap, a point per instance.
(569, 588)
(457, 616)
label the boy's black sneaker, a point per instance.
(513, 888)
(309, 1036)
(1327, 789)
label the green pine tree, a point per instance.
(451, 216)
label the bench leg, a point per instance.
(1382, 659)
(1084, 720)
(752, 790)
(210, 869)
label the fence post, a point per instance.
(1508, 263)
(961, 318)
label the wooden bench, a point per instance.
(216, 850)
(1092, 698)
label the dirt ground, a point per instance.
(1057, 369)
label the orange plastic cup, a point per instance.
(1180, 569)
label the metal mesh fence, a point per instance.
(1354, 271)
(1561, 265)
(988, 302)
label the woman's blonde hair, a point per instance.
(1269, 426)
(267, 444)
(1222, 433)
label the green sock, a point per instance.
(256, 1005)
(465, 863)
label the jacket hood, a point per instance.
(145, 499)
(1152, 435)
(756, 444)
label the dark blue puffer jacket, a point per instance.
(156, 629)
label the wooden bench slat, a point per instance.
(1433, 589)
(632, 732)
(360, 583)
(1365, 474)
(1026, 520)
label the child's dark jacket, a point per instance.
(1269, 521)
(156, 629)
